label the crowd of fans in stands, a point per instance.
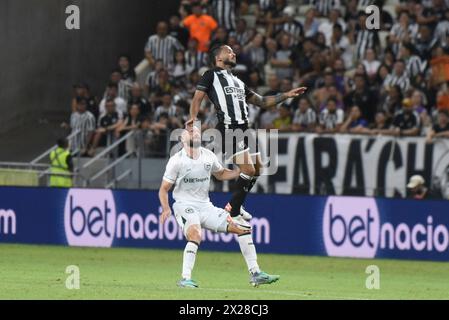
(391, 81)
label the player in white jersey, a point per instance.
(190, 172)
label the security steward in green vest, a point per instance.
(61, 166)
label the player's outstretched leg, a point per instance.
(193, 235)
(248, 249)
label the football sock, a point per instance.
(239, 195)
(249, 252)
(189, 259)
(252, 182)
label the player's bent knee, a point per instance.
(194, 234)
(248, 170)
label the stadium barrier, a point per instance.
(361, 227)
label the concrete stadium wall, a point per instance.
(41, 59)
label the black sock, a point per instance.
(238, 197)
(252, 182)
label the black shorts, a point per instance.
(237, 139)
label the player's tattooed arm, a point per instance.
(272, 101)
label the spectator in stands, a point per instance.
(398, 77)
(195, 59)
(381, 124)
(224, 12)
(220, 37)
(107, 125)
(327, 27)
(123, 86)
(331, 118)
(406, 121)
(425, 42)
(442, 30)
(136, 97)
(124, 64)
(83, 122)
(282, 60)
(418, 189)
(273, 85)
(82, 91)
(162, 45)
(355, 123)
(402, 31)
(177, 31)
(152, 79)
(311, 24)
(164, 85)
(413, 63)
(371, 64)
(112, 94)
(256, 52)
(132, 121)
(340, 45)
(292, 26)
(241, 33)
(305, 118)
(200, 26)
(275, 16)
(364, 38)
(167, 107)
(283, 122)
(441, 128)
(180, 70)
(267, 118)
(363, 97)
(324, 7)
(393, 101)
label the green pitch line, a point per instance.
(39, 272)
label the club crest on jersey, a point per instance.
(189, 210)
(207, 166)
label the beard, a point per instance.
(230, 63)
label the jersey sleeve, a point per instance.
(248, 92)
(216, 165)
(206, 81)
(171, 171)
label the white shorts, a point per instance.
(204, 214)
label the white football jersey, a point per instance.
(192, 177)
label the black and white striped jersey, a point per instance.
(163, 48)
(228, 94)
(224, 13)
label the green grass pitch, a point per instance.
(38, 272)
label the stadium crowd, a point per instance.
(391, 81)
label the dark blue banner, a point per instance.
(289, 224)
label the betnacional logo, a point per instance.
(90, 218)
(351, 227)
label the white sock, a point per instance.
(189, 260)
(249, 252)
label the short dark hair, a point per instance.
(62, 142)
(81, 100)
(331, 99)
(214, 52)
(112, 85)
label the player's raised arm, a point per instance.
(163, 198)
(271, 101)
(195, 105)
